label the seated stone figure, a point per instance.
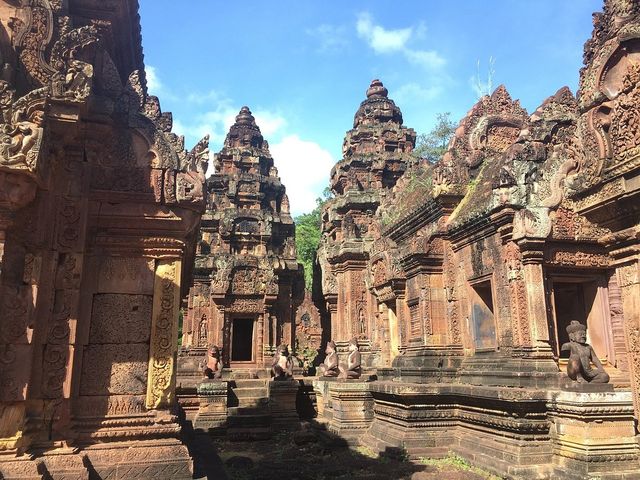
(582, 356)
(213, 367)
(282, 366)
(330, 366)
(353, 368)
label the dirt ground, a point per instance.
(307, 456)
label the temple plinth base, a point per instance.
(18, 468)
(503, 430)
(212, 410)
(593, 435)
(62, 462)
(144, 460)
(282, 401)
(351, 407)
(498, 370)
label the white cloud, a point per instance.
(270, 123)
(154, 85)
(384, 41)
(304, 168)
(410, 92)
(214, 122)
(331, 38)
(380, 39)
(428, 59)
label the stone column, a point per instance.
(402, 312)
(536, 302)
(259, 349)
(332, 308)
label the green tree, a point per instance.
(308, 233)
(431, 146)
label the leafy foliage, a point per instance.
(308, 232)
(431, 146)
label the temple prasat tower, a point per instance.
(99, 209)
(247, 281)
(376, 153)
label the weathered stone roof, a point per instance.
(377, 108)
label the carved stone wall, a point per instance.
(99, 208)
(466, 261)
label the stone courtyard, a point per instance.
(476, 317)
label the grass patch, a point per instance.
(459, 463)
(365, 451)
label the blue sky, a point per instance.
(303, 67)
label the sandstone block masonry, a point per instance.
(99, 209)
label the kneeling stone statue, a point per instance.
(353, 368)
(282, 366)
(330, 366)
(581, 356)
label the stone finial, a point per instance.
(377, 89)
(245, 117)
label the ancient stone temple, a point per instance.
(247, 282)
(482, 270)
(486, 305)
(376, 153)
(100, 205)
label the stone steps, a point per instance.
(243, 411)
(250, 392)
(250, 383)
(250, 417)
(259, 402)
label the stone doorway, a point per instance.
(242, 339)
(585, 299)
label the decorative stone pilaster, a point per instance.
(628, 275)
(164, 334)
(532, 257)
(212, 412)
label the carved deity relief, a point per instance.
(379, 273)
(203, 329)
(244, 281)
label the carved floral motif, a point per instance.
(163, 342)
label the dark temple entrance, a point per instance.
(583, 298)
(242, 340)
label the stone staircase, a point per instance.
(249, 416)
